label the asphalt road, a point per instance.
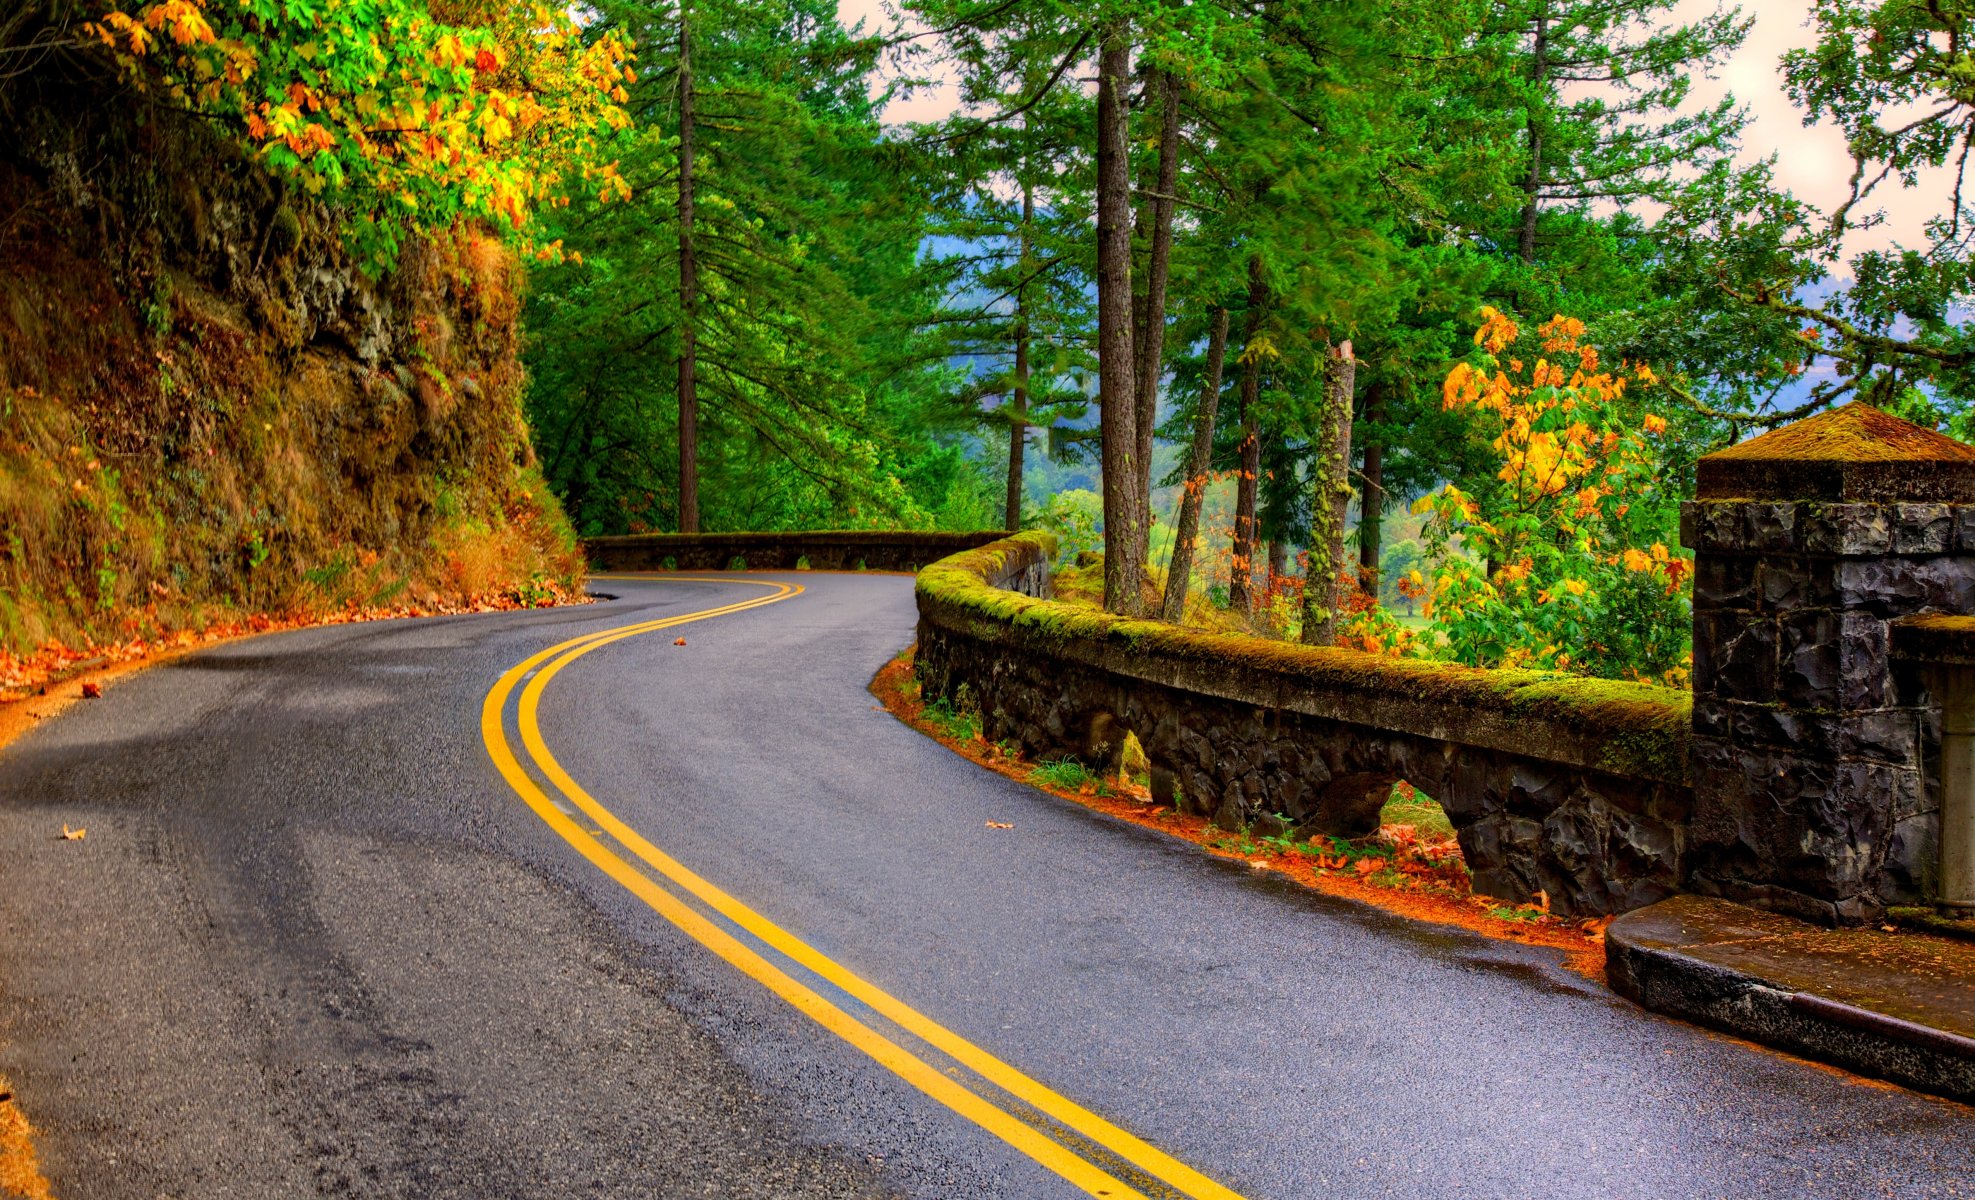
(315, 943)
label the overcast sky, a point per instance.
(1811, 162)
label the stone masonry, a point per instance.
(1834, 560)
(1581, 799)
(1813, 752)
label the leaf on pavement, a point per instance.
(678, 641)
(1001, 825)
(73, 835)
(91, 691)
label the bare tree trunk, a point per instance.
(1125, 523)
(1330, 499)
(1371, 502)
(1018, 417)
(1533, 183)
(1152, 346)
(1241, 584)
(1193, 490)
(1278, 562)
(688, 290)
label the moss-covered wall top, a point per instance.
(1632, 729)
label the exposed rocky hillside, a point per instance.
(206, 409)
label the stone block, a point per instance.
(1887, 735)
(1887, 587)
(1864, 668)
(1947, 582)
(1808, 669)
(1912, 858)
(1964, 528)
(1712, 717)
(1536, 787)
(1714, 526)
(1723, 582)
(1743, 660)
(1847, 529)
(1814, 733)
(1922, 528)
(1870, 796)
(1796, 582)
(1771, 527)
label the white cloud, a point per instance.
(1811, 162)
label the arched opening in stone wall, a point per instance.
(1392, 833)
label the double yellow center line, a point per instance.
(1126, 1152)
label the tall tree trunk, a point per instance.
(1241, 584)
(1018, 417)
(1371, 502)
(1199, 460)
(1125, 523)
(1152, 330)
(1330, 499)
(1532, 184)
(688, 291)
(1278, 562)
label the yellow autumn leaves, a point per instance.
(379, 105)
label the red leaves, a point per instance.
(92, 690)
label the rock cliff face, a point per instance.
(206, 408)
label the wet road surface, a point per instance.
(316, 943)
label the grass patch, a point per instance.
(1065, 773)
(956, 724)
(1410, 806)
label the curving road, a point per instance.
(416, 909)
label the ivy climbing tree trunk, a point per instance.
(1018, 415)
(688, 290)
(1241, 580)
(1125, 507)
(1371, 501)
(1200, 459)
(1330, 499)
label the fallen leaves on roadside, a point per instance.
(23, 676)
(92, 690)
(1001, 825)
(73, 835)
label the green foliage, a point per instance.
(822, 404)
(955, 723)
(1074, 517)
(1065, 774)
(1565, 566)
(399, 120)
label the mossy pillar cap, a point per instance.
(1854, 453)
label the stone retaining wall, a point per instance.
(824, 550)
(1576, 789)
(1834, 578)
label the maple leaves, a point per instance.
(1566, 564)
(379, 107)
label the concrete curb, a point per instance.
(1662, 978)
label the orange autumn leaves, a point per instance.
(1565, 562)
(401, 120)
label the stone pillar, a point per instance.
(1812, 755)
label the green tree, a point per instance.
(816, 398)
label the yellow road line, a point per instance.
(881, 1049)
(1125, 1145)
